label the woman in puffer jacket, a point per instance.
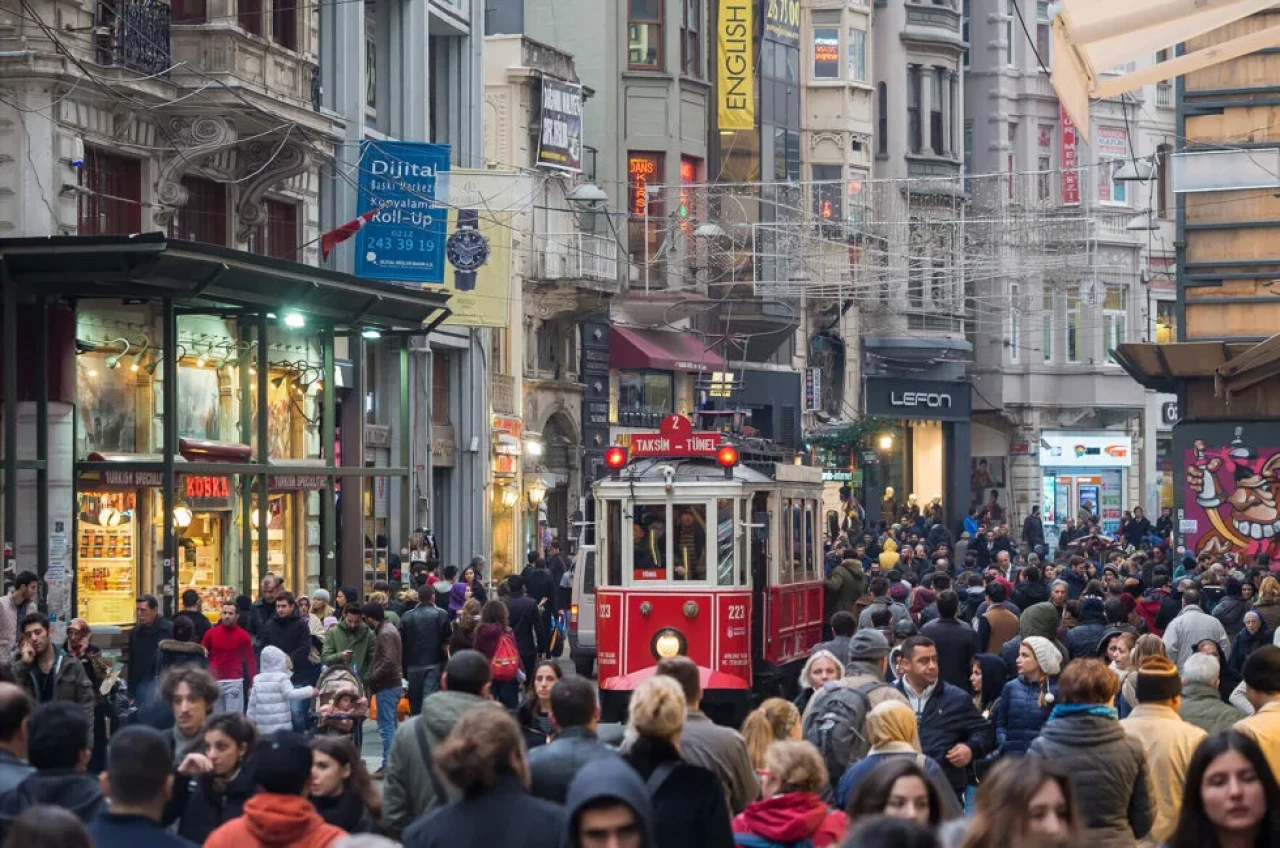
(272, 692)
(1085, 739)
(1028, 699)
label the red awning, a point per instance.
(660, 350)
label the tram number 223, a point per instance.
(604, 611)
(737, 612)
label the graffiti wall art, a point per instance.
(1229, 497)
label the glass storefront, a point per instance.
(106, 556)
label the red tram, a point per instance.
(704, 555)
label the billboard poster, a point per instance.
(1230, 492)
(481, 298)
(560, 136)
(405, 240)
(1070, 160)
(735, 71)
(782, 21)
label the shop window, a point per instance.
(1166, 321)
(111, 204)
(278, 237)
(915, 140)
(644, 397)
(106, 556)
(689, 541)
(203, 217)
(691, 39)
(249, 15)
(284, 23)
(644, 34)
(441, 387)
(1115, 315)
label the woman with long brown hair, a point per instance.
(341, 789)
(464, 627)
(1024, 800)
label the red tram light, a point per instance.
(727, 456)
(615, 457)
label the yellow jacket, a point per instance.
(1264, 727)
(889, 555)
(1168, 742)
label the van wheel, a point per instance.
(583, 665)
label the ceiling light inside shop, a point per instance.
(294, 320)
(371, 333)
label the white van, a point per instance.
(582, 611)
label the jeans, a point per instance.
(388, 701)
(230, 697)
(299, 711)
(424, 681)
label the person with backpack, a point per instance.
(411, 787)
(836, 720)
(529, 620)
(792, 812)
(498, 644)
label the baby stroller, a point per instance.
(340, 706)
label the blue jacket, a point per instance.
(949, 718)
(1019, 716)
(858, 771)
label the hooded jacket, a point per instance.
(1110, 771)
(1083, 639)
(1028, 593)
(276, 821)
(70, 683)
(793, 817)
(552, 767)
(292, 635)
(272, 691)
(74, 791)
(889, 556)
(1202, 705)
(994, 675)
(689, 807)
(608, 778)
(843, 588)
(173, 654)
(1037, 620)
(409, 789)
(506, 814)
(1231, 609)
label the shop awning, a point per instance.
(660, 350)
(1163, 367)
(152, 266)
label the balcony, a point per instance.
(502, 394)
(133, 34)
(582, 258)
(932, 24)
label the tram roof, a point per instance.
(687, 471)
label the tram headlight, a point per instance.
(668, 643)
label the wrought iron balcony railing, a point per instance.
(134, 34)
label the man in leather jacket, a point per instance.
(552, 766)
(425, 632)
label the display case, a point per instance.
(106, 557)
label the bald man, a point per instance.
(15, 712)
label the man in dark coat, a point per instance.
(200, 623)
(1033, 528)
(952, 731)
(291, 633)
(425, 631)
(553, 766)
(264, 609)
(144, 643)
(527, 623)
(1031, 588)
(1083, 639)
(956, 642)
(557, 565)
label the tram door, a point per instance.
(758, 515)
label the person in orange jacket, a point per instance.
(280, 814)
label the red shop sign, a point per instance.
(675, 437)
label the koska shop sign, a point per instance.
(930, 400)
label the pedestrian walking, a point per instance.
(79, 646)
(607, 804)
(1202, 705)
(138, 783)
(775, 720)
(48, 674)
(688, 801)
(898, 788)
(552, 766)
(1231, 796)
(484, 758)
(182, 649)
(1027, 700)
(844, 585)
(721, 750)
(893, 734)
(1191, 627)
(15, 712)
(1083, 639)
(341, 788)
(821, 667)
(213, 785)
(191, 611)
(425, 632)
(1262, 689)
(1024, 801)
(495, 640)
(15, 605)
(279, 814)
(350, 643)
(1253, 634)
(792, 809)
(385, 676)
(291, 634)
(273, 693)
(149, 629)
(956, 642)
(1084, 736)
(190, 694)
(59, 747)
(46, 824)
(529, 620)
(534, 713)
(231, 659)
(263, 609)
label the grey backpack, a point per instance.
(836, 724)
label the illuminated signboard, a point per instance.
(642, 169)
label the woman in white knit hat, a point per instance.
(1028, 699)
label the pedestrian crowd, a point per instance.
(972, 693)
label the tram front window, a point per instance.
(649, 543)
(689, 541)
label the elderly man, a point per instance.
(1201, 703)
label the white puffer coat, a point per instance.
(272, 692)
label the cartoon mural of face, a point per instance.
(1236, 478)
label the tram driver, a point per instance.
(690, 545)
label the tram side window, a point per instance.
(798, 563)
(613, 541)
(725, 532)
(784, 545)
(649, 546)
(760, 517)
(689, 541)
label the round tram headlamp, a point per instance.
(668, 642)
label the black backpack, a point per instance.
(835, 723)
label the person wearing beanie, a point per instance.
(1168, 741)
(1231, 609)
(1082, 640)
(868, 668)
(1262, 689)
(1027, 700)
(1037, 620)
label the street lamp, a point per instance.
(886, 442)
(510, 496)
(537, 493)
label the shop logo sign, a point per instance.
(932, 400)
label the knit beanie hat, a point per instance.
(1047, 656)
(898, 592)
(1158, 680)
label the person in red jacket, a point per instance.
(230, 659)
(280, 814)
(792, 809)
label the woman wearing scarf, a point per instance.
(78, 645)
(893, 732)
(921, 597)
(1084, 737)
(1253, 635)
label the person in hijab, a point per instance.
(921, 597)
(893, 733)
(1253, 634)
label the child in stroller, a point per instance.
(340, 705)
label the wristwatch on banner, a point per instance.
(467, 249)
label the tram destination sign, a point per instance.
(675, 437)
